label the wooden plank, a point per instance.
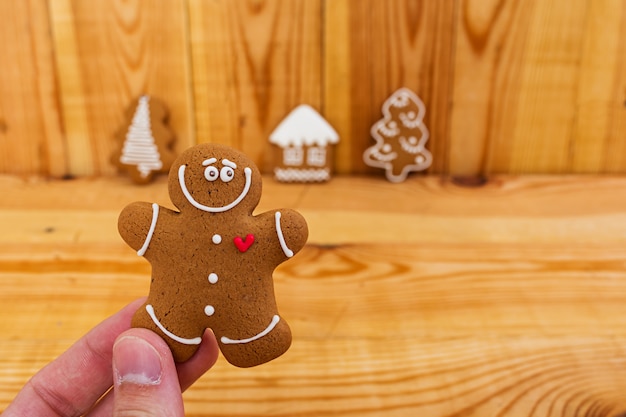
(547, 108)
(378, 329)
(337, 85)
(108, 54)
(536, 88)
(442, 321)
(253, 62)
(391, 45)
(614, 157)
(596, 101)
(31, 137)
(425, 210)
(489, 51)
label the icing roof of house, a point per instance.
(304, 126)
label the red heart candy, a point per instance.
(244, 244)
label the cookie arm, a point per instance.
(136, 225)
(291, 230)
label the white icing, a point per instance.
(213, 278)
(211, 173)
(274, 322)
(217, 239)
(194, 341)
(390, 130)
(316, 156)
(227, 174)
(380, 157)
(209, 310)
(288, 252)
(303, 126)
(410, 120)
(139, 146)
(229, 163)
(293, 156)
(302, 175)
(399, 99)
(209, 161)
(411, 146)
(146, 243)
(181, 179)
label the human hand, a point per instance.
(136, 363)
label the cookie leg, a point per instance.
(182, 348)
(257, 349)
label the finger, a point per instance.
(145, 381)
(203, 360)
(70, 384)
(188, 372)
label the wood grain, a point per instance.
(253, 62)
(31, 136)
(535, 88)
(108, 53)
(510, 87)
(420, 298)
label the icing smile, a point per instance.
(181, 178)
(196, 340)
(269, 328)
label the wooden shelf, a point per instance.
(421, 298)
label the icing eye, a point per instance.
(227, 174)
(211, 173)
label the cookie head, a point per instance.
(212, 178)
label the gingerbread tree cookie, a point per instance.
(212, 261)
(145, 141)
(400, 137)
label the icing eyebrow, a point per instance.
(209, 161)
(229, 163)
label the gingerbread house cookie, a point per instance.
(400, 136)
(212, 260)
(145, 141)
(303, 147)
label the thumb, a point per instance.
(144, 376)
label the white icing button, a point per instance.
(217, 239)
(212, 278)
(209, 310)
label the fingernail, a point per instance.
(135, 361)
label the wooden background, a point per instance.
(426, 298)
(431, 299)
(510, 86)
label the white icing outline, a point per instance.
(194, 341)
(387, 131)
(409, 122)
(146, 243)
(380, 157)
(227, 341)
(181, 179)
(408, 148)
(281, 239)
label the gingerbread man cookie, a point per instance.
(212, 261)
(400, 136)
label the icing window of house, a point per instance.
(293, 155)
(316, 156)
